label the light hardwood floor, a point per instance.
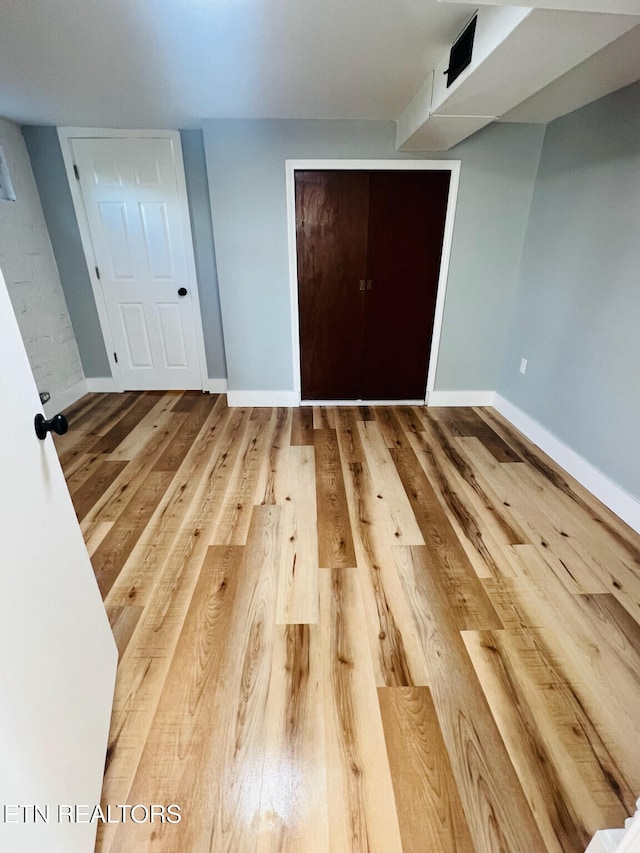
(355, 629)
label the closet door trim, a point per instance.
(452, 166)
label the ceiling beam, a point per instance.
(517, 52)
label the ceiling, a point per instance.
(172, 63)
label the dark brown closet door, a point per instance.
(331, 233)
(406, 228)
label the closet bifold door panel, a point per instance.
(406, 228)
(369, 245)
(331, 237)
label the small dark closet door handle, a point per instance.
(182, 291)
(57, 424)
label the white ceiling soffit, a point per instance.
(517, 52)
(615, 66)
(443, 132)
(610, 7)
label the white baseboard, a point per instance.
(61, 400)
(262, 398)
(101, 385)
(216, 386)
(606, 841)
(362, 403)
(461, 398)
(106, 385)
(613, 496)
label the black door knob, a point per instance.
(57, 424)
(182, 291)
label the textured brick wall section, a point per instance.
(31, 274)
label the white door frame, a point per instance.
(292, 166)
(66, 135)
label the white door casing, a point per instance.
(58, 654)
(130, 199)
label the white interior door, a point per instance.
(58, 654)
(137, 228)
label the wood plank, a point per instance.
(149, 654)
(409, 417)
(80, 470)
(276, 457)
(426, 794)
(398, 655)
(362, 814)
(398, 658)
(469, 603)
(570, 566)
(115, 548)
(174, 454)
(595, 652)
(366, 413)
(123, 621)
(568, 775)
(297, 599)
(610, 615)
(390, 427)
(189, 399)
(323, 417)
(121, 429)
(293, 804)
(180, 757)
(109, 409)
(114, 500)
(616, 569)
(83, 407)
(94, 532)
(302, 426)
(187, 512)
(85, 497)
(438, 451)
(245, 482)
(242, 729)
(497, 811)
(509, 597)
(465, 422)
(346, 420)
(481, 526)
(335, 542)
(159, 414)
(602, 517)
(393, 506)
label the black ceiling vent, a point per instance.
(460, 56)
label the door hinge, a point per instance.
(76, 172)
(97, 273)
(115, 355)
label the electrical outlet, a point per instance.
(45, 396)
(523, 365)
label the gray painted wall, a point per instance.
(576, 315)
(48, 168)
(195, 169)
(246, 168)
(51, 179)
